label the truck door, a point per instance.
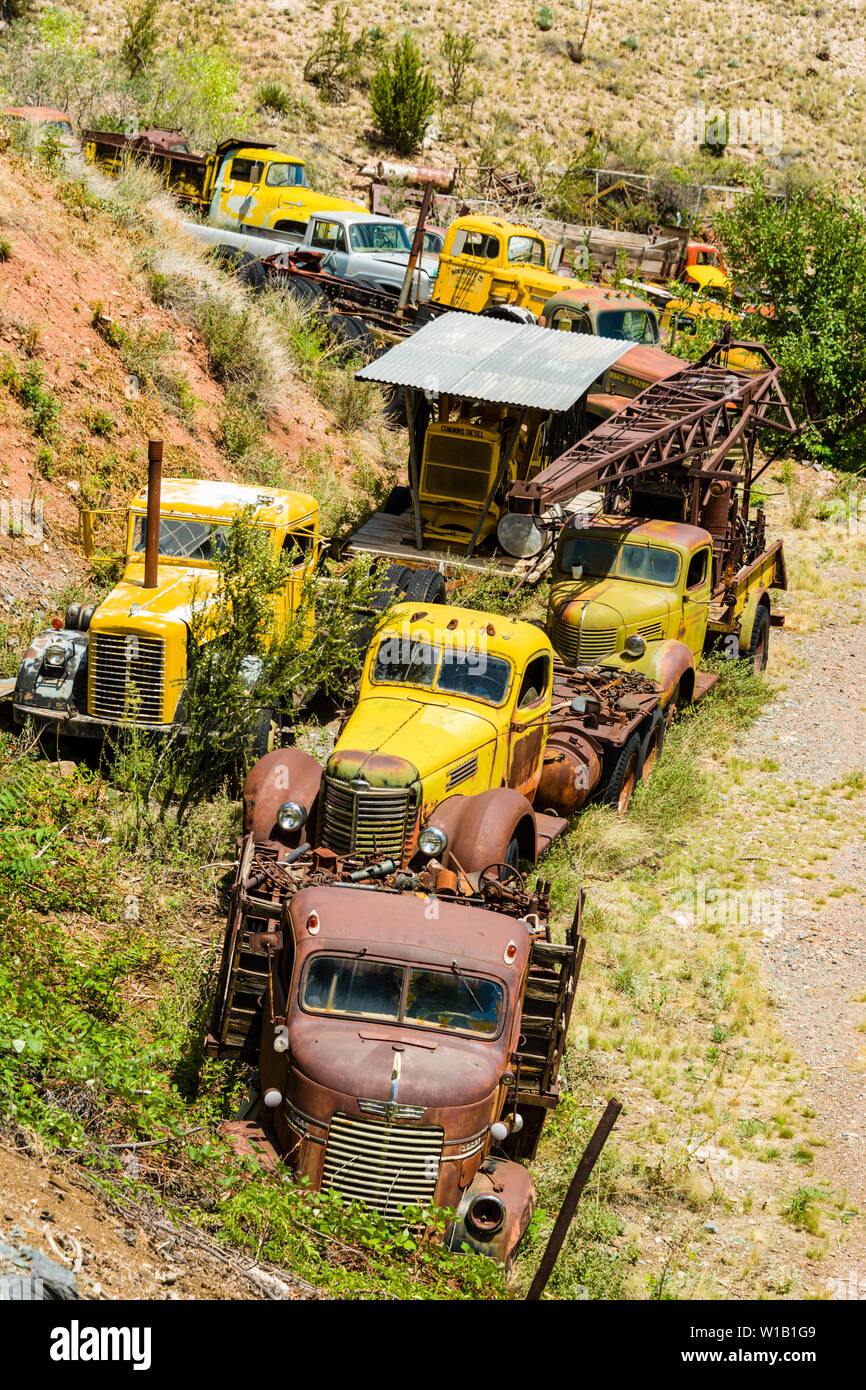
(466, 272)
(696, 600)
(239, 192)
(527, 732)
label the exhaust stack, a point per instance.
(151, 541)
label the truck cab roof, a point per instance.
(219, 501)
(396, 924)
(675, 534)
(514, 639)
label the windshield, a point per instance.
(630, 561)
(629, 325)
(179, 539)
(465, 671)
(526, 250)
(707, 258)
(386, 992)
(379, 236)
(285, 176)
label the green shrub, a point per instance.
(28, 388)
(336, 62)
(273, 96)
(458, 51)
(402, 97)
(5, 249)
(141, 35)
(544, 18)
(630, 42)
(241, 427)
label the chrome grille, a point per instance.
(366, 820)
(126, 677)
(574, 644)
(388, 1166)
(462, 772)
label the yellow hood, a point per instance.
(427, 734)
(179, 586)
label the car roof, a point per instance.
(596, 296)
(677, 534)
(511, 638)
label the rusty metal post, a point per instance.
(154, 487)
(572, 1197)
(417, 245)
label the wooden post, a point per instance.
(414, 468)
(572, 1197)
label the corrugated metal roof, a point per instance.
(485, 359)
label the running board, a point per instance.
(548, 828)
(249, 1140)
(704, 681)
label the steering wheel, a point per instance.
(493, 879)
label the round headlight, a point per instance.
(54, 656)
(432, 842)
(291, 816)
(635, 645)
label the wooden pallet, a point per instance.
(393, 538)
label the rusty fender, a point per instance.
(666, 662)
(569, 774)
(494, 1211)
(287, 774)
(480, 828)
(760, 598)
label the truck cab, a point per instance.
(266, 189)
(704, 270)
(125, 660)
(632, 593)
(451, 701)
(486, 261)
(609, 313)
(370, 250)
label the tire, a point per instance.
(759, 647)
(512, 854)
(652, 743)
(250, 271)
(352, 333)
(398, 501)
(426, 586)
(265, 734)
(393, 587)
(310, 296)
(624, 778)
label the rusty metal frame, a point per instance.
(689, 422)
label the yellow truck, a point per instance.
(124, 660)
(486, 263)
(243, 183)
(470, 744)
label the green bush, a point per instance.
(402, 97)
(458, 52)
(141, 35)
(544, 18)
(336, 61)
(273, 96)
(28, 388)
(630, 42)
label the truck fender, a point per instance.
(287, 774)
(494, 1211)
(480, 828)
(36, 688)
(670, 663)
(760, 598)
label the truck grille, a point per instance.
(126, 677)
(574, 645)
(458, 470)
(368, 820)
(386, 1166)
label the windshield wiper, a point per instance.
(459, 973)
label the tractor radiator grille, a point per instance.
(368, 820)
(388, 1166)
(458, 469)
(126, 677)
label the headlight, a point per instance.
(635, 645)
(291, 816)
(54, 657)
(432, 842)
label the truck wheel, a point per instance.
(651, 743)
(759, 647)
(394, 405)
(310, 296)
(266, 733)
(249, 271)
(425, 586)
(624, 778)
(398, 501)
(352, 333)
(393, 587)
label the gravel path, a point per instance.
(815, 961)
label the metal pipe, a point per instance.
(151, 535)
(415, 253)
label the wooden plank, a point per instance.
(550, 953)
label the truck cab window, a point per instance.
(298, 544)
(284, 176)
(182, 540)
(348, 985)
(649, 562)
(328, 236)
(526, 250)
(535, 681)
(697, 571)
(246, 171)
(476, 674)
(479, 244)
